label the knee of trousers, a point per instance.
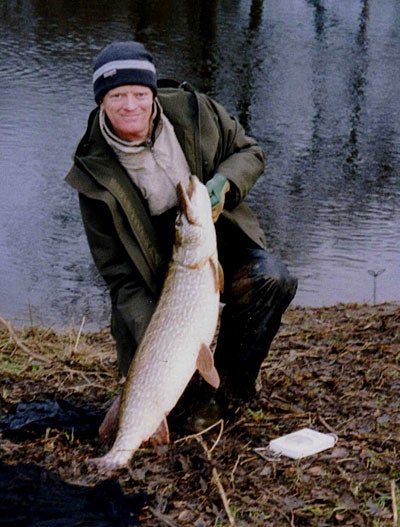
(270, 287)
(281, 286)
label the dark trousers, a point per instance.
(258, 289)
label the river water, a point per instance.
(315, 81)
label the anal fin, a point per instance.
(161, 435)
(205, 365)
(109, 426)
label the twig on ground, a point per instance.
(223, 495)
(202, 432)
(215, 475)
(221, 431)
(290, 520)
(394, 503)
(79, 336)
(326, 425)
(235, 467)
(162, 517)
(21, 345)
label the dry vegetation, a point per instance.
(336, 370)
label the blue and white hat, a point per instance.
(122, 63)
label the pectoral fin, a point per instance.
(218, 275)
(221, 278)
(205, 365)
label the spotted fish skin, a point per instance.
(176, 342)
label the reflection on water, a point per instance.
(315, 81)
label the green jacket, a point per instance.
(124, 243)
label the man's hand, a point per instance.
(217, 187)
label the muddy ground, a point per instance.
(336, 370)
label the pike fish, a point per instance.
(177, 340)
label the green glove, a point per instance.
(217, 187)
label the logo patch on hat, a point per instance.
(110, 73)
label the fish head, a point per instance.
(194, 228)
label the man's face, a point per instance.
(129, 109)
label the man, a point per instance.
(141, 140)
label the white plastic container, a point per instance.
(302, 443)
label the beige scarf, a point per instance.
(155, 169)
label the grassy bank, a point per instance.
(335, 369)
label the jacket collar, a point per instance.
(98, 160)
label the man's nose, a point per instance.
(130, 102)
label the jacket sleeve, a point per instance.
(129, 295)
(239, 157)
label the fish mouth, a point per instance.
(184, 198)
(192, 185)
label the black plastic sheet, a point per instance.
(34, 417)
(31, 496)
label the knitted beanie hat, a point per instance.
(122, 63)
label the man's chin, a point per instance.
(130, 134)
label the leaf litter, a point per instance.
(335, 369)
